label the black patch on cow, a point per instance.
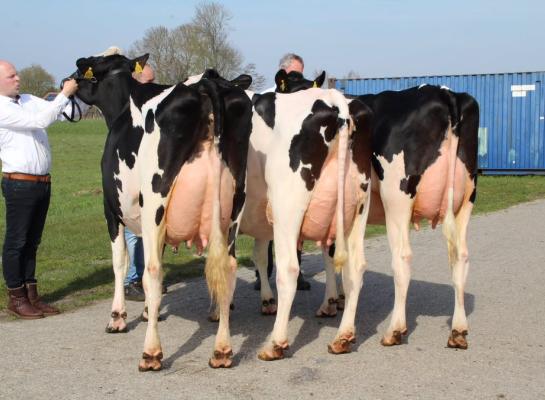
(364, 187)
(361, 137)
(159, 214)
(377, 167)
(308, 146)
(467, 131)
(409, 185)
(150, 123)
(264, 105)
(473, 196)
(233, 231)
(360, 211)
(412, 121)
(331, 251)
(140, 199)
(119, 185)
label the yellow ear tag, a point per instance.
(89, 73)
(314, 85)
(282, 86)
(138, 68)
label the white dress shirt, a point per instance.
(24, 146)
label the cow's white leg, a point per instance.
(459, 269)
(328, 308)
(352, 277)
(120, 262)
(398, 207)
(268, 303)
(286, 231)
(153, 234)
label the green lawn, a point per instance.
(74, 259)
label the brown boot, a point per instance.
(19, 305)
(46, 309)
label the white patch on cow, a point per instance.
(193, 79)
(422, 85)
(445, 87)
(128, 196)
(136, 115)
(394, 172)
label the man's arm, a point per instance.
(19, 119)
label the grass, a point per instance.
(74, 258)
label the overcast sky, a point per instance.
(373, 38)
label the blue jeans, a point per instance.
(136, 257)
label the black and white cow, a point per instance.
(424, 146)
(424, 143)
(173, 169)
(305, 183)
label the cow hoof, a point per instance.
(117, 324)
(268, 307)
(340, 302)
(277, 353)
(150, 363)
(394, 340)
(213, 316)
(341, 345)
(221, 359)
(457, 340)
(328, 310)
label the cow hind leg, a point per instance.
(287, 270)
(459, 269)
(268, 302)
(352, 276)
(120, 262)
(328, 308)
(398, 209)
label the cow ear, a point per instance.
(319, 81)
(242, 81)
(138, 63)
(280, 79)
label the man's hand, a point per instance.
(70, 87)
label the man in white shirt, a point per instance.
(289, 62)
(26, 186)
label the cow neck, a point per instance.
(116, 101)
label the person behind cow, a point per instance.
(133, 281)
(26, 185)
(289, 62)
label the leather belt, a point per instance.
(16, 176)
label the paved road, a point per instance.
(70, 356)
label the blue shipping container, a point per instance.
(512, 114)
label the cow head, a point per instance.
(295, 81)
(95, 76)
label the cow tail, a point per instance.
(217, 261)
(344, 122)
(449, 222)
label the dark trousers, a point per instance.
(270, 263)
(26, 210)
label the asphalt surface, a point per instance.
(70, 357)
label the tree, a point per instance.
(36, 80)
(191, 48)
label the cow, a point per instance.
(306, 183)
(424, 154)
(173, 170)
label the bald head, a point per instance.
(146, 76)
(9, 80)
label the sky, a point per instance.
(373, 38)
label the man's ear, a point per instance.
(319, 81)
(281, 79)
(242, 81)
(137, 64)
